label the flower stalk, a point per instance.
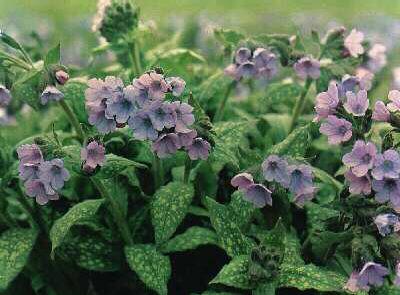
(298, 109)
(220, 111)
(73, 120)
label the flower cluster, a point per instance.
(143, 107)
(372, 274)
(42, 179)
(260, 63)
(93, 155)
(297, 178)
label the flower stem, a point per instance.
(188, 167)
(135, 57)
(298, 109)
(158, 172)
(220, 111)
(73, 120)
(115, 211)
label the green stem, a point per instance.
(220, 111)
(73, 120)
(188, 167)
(115, 211)
(16, 61)
(298, 109)
(135, 57)
(158, 172)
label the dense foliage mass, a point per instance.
(256, 165)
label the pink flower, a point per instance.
(337, 130)
(381, 113)
(327, 102)
(394, 97)
(358, 185)
(353, 43)
(356, 104)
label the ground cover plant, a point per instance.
(262, 164)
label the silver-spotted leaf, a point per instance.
(292, 253)
(153, 268)
(74, 93)
(26, 89)
(243, 210)
(170, 205)
(115, 164)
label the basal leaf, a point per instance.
(292, 253)
(77, 213)
(317, 215)
(229, 234)
(153, 268)
(191, 239)
(115, 164)
(170, 205)
(243, 210)
(15, 247)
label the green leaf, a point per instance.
(243, 210)
(177, 57)
(280, 94)
(228, 37)
(170, 205)
(317, 215)
(74, 95)
(276, 238)
(268, 288)
(235, 274)
(311, 277)
(10, 41)
(292, 254)
(115, 165)
(53, 56)
(190, 239)
(326, 178)
(153, 268)
(26, 89)
(229, 234)
(79, 212)
(15, 247)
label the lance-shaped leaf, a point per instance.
(280, 95)
(26, 89)
(74, 95)
(328, 179)
(228, 37)
(170, 205)
(153, 268)
(230, 237)
(53, 56)
(115, 165)
(292, 252)
(15, 247)
(79, 212)
(191, 239)
(243, 210)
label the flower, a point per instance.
(327, 102)
(387, 189)
(242, 181)
(184, 116)
(307, 67)
(276, 169)
(358, 185)
(166, 145)
(337, 130)
(242, 55)
(246, 70)
(177, 85)
(93, 155)
(352, 282)
(5, 96)
(301, 179)
(122, 106)
(162, 115)
(366, 77)
(353, 43)
(186, 138)
(266, 63)
(259, 195)
(387, 165)
(150, 86)
(348, 83)
(394, 97)
(381, 113)
(29, 154)
(100, 91)
(387, 223)
(53, 174)
(143, 126)
(232, 71)
(97, 117)
(377, 57)
(301, 199)
(397, 278)
(38, 190)
(356, 104)
(62, 77)
(51, 93)
(199, 149)
(372, 274)
(361, 157)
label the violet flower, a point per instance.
(353, 43)
(184, 116)
(246, 70)
(100, 91)
(258, 195)
(51, 93)
(276, 169)
(28, 171)
(38, 190)
(162, 115)
(177, 85)
(381, 113)
(387, 189)
(397, 278)
(122, 106)
(199, 149)
(166, 145)
(62, 77)
(301, 199)
(307, 67)
(266, 63)
(242, 181)
(30, 153)
(361, 158)
(327, 102)
(387, 165)
(232, 71)
(143, 126)
(358, 185)
(337, 130)
(242, 55)
(387, 223)
(394, 97)
(98, 118)
(53, 174)
(93, 155)
(301, 179)
(352, 283)
(372, 274)
(150, 86)
(356, 104)
(186, 138)
(5, 96)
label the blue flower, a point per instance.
(361, 158)
(307, 67)
(53, 174)
(276, 169)
(38, 190)
(142, 126)
(166, 145)
(386, 165)
(176, 85)
(122, 106)
(301, 179)
(162, 114)
(199, 149)
(93, 155)
(51, 93)
(387, 223)
(98, 118)
(242, 181)
(5, 96)
(258, 195)
(242, 55)
(184, 116)
(387, 189)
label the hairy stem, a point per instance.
(220, 111)
(134, 52)
(73, 120)
(298, 109)
(188, 167)
(158, 172)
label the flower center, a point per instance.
(366, 158)
(387, 165)
(342, 130)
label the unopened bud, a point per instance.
(62, 77)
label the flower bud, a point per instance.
(62, 77)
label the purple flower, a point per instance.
(97, 117)
(53, 174)
(100, 91)
(372, 274)
(199, 149)
(242, 181)
(28, 171)
(348, 83)
(381, 113)
(377, 57)
(301, 199)
(337, 130)
(301, 179)
(232, 71)
(358, 185)
(166, 145)
(29, 153)
(122, 106)
(353, 43)
(177, 85)
(37, 189)
(5, 96)
(356, 104)
(258, 195)
(142, 126)
(387, 165)
(186, 138)
(266, 63)
(327, 102)
(387, 223)
(366, 77)
(62, 77)
(387, 189)
(242, 55)
(162, 114)
(246, 70)
(394, 97)
(93, 155)
(51, 93)
(150, 86)
(397, 278)
(276, 169)
(361, 157)
(307, 67)
(184, 116)
(352, 283)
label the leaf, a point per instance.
(229, 234)
(228, 37)
(170, 205)
(292, 254)
(311, 277)
(280, 94)
(275, 238)
(177, 57)
(26, 89)
(53, 56)
(212, 87)
(10, 41)
(79, 212)
(153, 268)
(15, 247)
(190, 239)
(115, 165)
(243, 210)
(268, 288)
(235, 274)
(74, 95)
(317, 215)
(326, 178)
